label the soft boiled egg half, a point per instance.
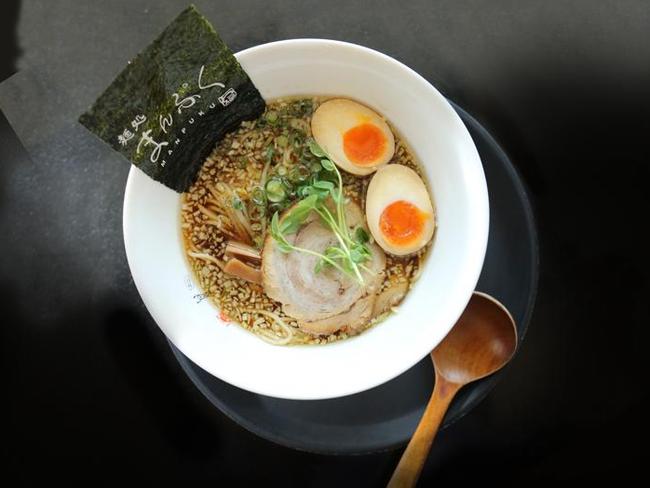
(399, 210)
(356, 138)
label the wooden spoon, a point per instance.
(482, 342)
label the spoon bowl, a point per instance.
(481, 342)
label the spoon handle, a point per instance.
(408, 470)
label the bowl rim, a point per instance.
(479, 202)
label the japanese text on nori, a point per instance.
(177, 98)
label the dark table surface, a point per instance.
(91, 391)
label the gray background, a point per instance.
(92, 391)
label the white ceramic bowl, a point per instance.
(455, 175)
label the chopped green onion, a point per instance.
(306, 107)
(258, 212)
(282, 170)
(269, 152)
(287, 184)
(259, 196)
(275, 190)
(306, 154)
(282, 141)
(296, 138)
(276, 207)
(272, 117)
(299, 173)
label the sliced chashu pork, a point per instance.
(353, 319)
(323, 302)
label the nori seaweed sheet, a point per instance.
(162, 83)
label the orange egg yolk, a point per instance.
(364, 144)
(402, 223)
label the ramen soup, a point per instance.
(309, 224)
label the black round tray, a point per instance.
(386, 416)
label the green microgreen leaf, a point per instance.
(359, 254)
(335, 252)
(324, 185)
(295, 217)
(315, 149)
(327, 165)
(275, 225)
(361, 235)
(285, 247)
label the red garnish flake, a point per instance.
(224, 317)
